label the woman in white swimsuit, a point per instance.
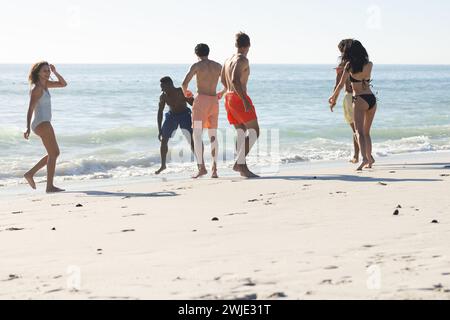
(40, 109)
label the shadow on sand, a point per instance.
(416, 166)
(348, 178)
(127, 195)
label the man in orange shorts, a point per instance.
(205, 111)
(240, 109)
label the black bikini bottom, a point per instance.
(369, 98)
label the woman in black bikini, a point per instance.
(359, 69)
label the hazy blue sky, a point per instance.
(283, 31)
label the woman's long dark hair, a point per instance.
(356, 55)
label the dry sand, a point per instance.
(316, 232)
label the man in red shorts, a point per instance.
(239, 106)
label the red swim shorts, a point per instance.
(236, 110)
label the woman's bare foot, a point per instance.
(355, 160)
(201, 172)
(54, 190)
(30, 180)
(161, 170)
(363, 165)
(214, 173)
(370, 164)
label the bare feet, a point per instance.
(370, 164)
(161, 170)
(54, 190)
(244, 171)
(214, 173)
(30, 180)
(355, 160)
(201, 172)
(363, 165)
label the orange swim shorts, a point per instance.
(205, 112)
(236, 110)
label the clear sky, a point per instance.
(166, 31)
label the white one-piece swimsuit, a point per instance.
(43, 110)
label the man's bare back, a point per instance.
(208, 74)
(237, 68)
(176, 100)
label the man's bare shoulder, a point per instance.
(242, 61)
(217, 65)
(194, 67)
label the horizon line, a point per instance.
(189, 63)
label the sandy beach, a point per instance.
(312, 232)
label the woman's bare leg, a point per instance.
(47, 134)
(360, 107)
(370, 115)
(29, 176)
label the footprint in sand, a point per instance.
(134, 215)
(253, 296)
(17, 212)
(128, 230)
(331, 268)
(15, 229)
(12, 277)
(237, 214)
(249, 283)
(277, 295)
(54, 291)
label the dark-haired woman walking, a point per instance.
(40, 109)
(358, 69)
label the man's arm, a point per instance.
(192, 72)
(190, 100)
(241, 66)
(224, 83)
(223, 78)
(162, 105)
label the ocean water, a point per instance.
(106, 125)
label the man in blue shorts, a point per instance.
(179, 115)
